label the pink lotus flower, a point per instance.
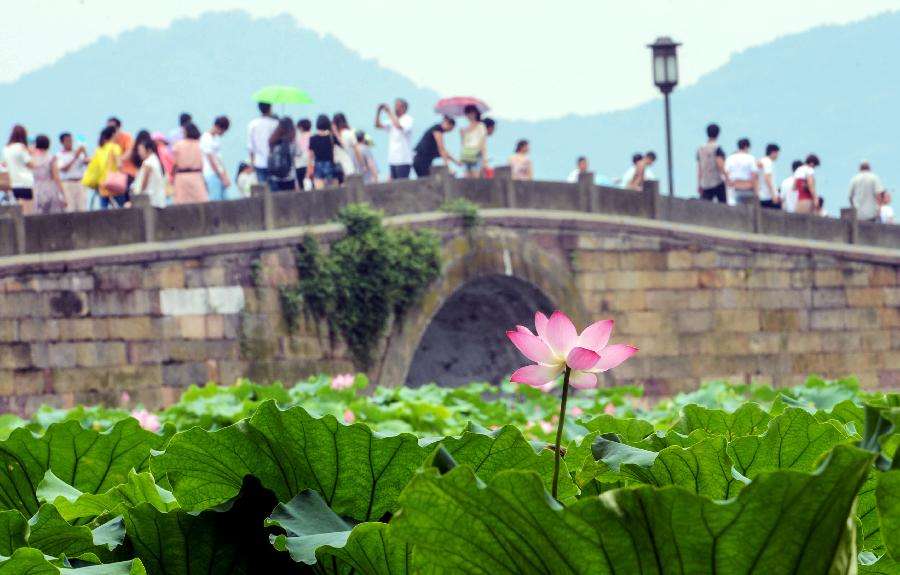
(125, 399)
(609, 409)
(558, 345)
(343, 381)
(576, 411)
(147, 420)
(349, 417)
(546, 426)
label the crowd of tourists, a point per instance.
(743, 178)
(186, 165)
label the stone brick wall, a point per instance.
(151, 329)
(81, 327)
(701, 312)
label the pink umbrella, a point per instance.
(455, 106)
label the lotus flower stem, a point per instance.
(559, 430)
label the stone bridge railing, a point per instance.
(267, 211)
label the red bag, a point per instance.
(115, 183)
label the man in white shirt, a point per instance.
(258, 132)
(865, 189)
(214, 173)
(639, 172)
(581, 167)
(399, 128)
(742, 174)
(768, 193)
(788, 190)
(72, 163)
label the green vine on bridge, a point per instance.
(367, 275)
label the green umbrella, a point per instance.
(282, 95)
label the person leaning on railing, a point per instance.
(805, 183)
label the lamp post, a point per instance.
(665, 76)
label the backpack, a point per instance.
(281, 159)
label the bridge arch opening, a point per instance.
(466, 339)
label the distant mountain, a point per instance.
(830, 90)
(206, 66)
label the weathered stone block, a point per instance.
(118, 278)
(38, 330)
(192, 326)
(766, 260)
(215, 327)
(829, 298)
(590, 261)
(200, 351)
(101, 353)
(15, 356)
(882, 276)
(860, 318)
(769, 279)
(604, 302)
(734, 298)
(879, 340)
(9, 330)
(667, 299)
(123, 303)
(7, 379)
(164, 276)
(762, 342)
(146, 352)
(737, 320)
(892, 296)
(24, 305)
(57, 355)
(828, 278)
(83, 329)
(29, 382)
(204, 277)
(73, 281)
(133, 328)
(182, 375)
(695, 321)
(643, 260)
(866, 297)
(679, 259)
(784, 320)
(785, 299)
(644, 322)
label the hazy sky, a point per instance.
(527, 58)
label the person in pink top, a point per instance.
(189, 184)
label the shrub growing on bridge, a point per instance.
(367, 275)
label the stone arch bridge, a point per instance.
(151, 301)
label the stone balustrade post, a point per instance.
(14, 213)
(588, 198)
(503, 180)
(653, 199)
(356, 188)
(756, 216)
(850, 217)
(268, 205)
(444, 181)
(148, 215)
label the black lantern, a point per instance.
(665, 76)
(665, 63)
